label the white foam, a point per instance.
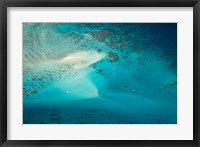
(82, 59)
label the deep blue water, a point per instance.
(99, 73)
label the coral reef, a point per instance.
(99, 73)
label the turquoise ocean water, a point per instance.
(99, 73)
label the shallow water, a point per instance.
(99, 73)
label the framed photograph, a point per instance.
(104, 73)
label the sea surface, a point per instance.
(99, 73)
